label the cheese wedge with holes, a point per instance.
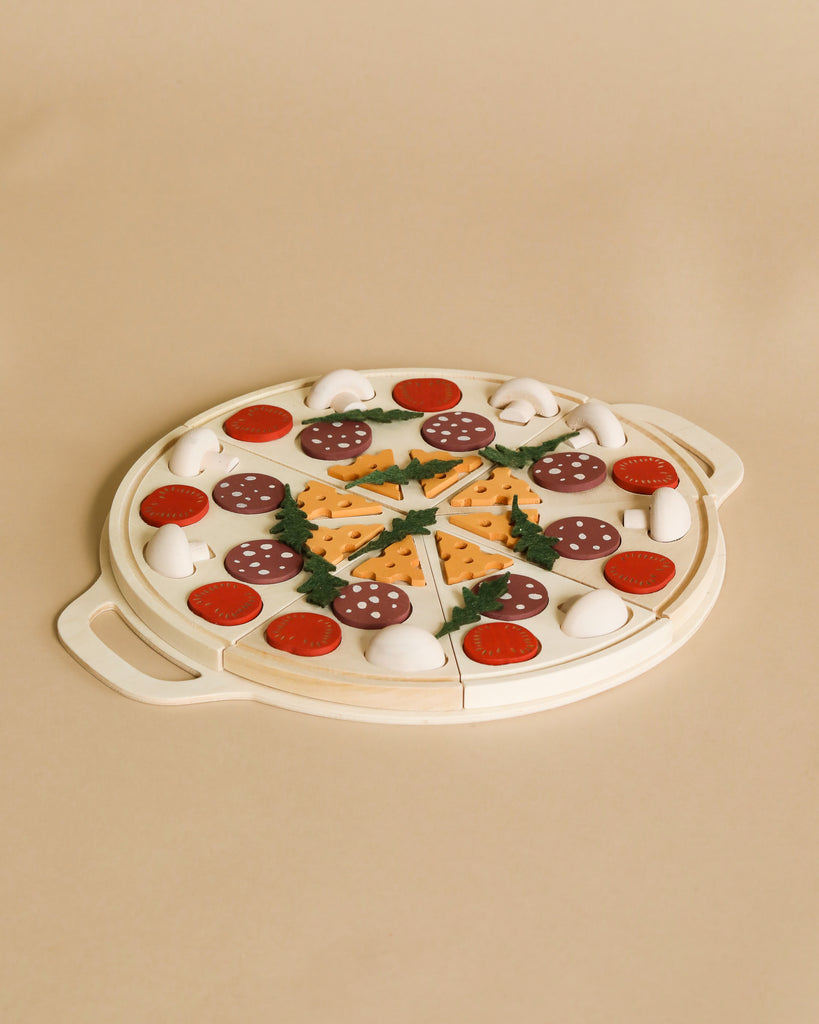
(337, 542)
(398, 564)
(368, 463)
(498, 489)
(464, 561)
(320, 501)
(435, 485)
(493, 527)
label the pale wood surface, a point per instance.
(196, 203)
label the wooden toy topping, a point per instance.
(321, 501)
(524, 598)
(339, 439)
(225, 603)
(263, 561)
(399, 564)
(643, 474)
(371, 605)
(639, 572)
(500, 643)
(365, 464)
(335, 543)
(492, 527)
(569, 472)
(464, 561)
(427, 394)
(258, 423)
(306, 634)
(174, 503)
(583, 537)
(249, 494)
(435, 485)
(498, 489)
(458, 431)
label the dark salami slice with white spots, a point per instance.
(371, 605)
(583, 537)
(341, 439)
(569, 471)
(262, 561)
(458, 431)
(524, 598)
(249, 494)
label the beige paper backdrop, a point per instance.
(197, 200)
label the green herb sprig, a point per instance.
(414, 470)
(487, 598)
(517, 458)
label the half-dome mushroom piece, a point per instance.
(595, 614)
(198, 450)
(522, 398)
(404, 648)
(340, 390)
(596, 424)
(668, 517)
(170, 553)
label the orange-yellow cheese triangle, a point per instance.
(337, 542)
(319, 501)
(434, 485)
(498, 489)
(464, 561)
(492, 527)
(367, 463)
(398, 564)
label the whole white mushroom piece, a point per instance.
(404, 648)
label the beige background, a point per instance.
(200, 200)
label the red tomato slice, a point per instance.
(500, 643)
(639, 572)
(225, 603)
(304, 633)
(174, 503)
(643, 474)
(427, 394)
(259, 423)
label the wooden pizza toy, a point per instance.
(410, 546)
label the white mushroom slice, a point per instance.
(403, 648)
(522, 398)
(596, 423)
(595, 614)
(198, 450)
(667, 519)
(170, 553)
(340, 390)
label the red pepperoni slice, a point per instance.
(458, 431)
(371, 605)
(225, 603)
(341, 439)
(427, 394)
(500, 643)
(524, 598)
(643, 474)
(639, 572)
(583, 537)
(259, 423)
(569, 472)
(174, 503)
(263, 561)
(304, 633)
